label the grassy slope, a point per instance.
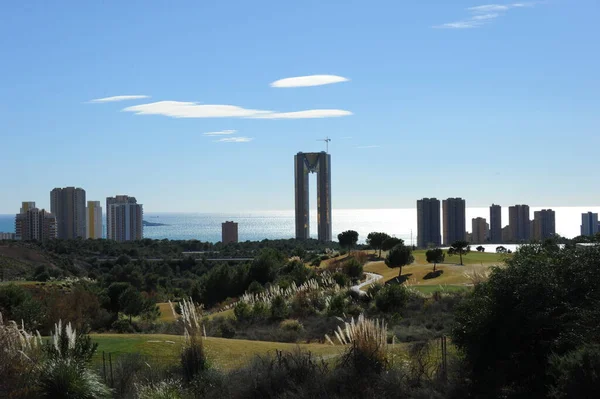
(224, 353)
(453, 274)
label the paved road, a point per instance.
(371, 278)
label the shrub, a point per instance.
(242, 311)
(353, 269)
(279, 308)
(576, 374)
(67, 378)
(167, 389)
(122, 326)
(392, 297)
(341, 279)
(337, 305)
(291, 325)
(68, 345)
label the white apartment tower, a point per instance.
(124, 219)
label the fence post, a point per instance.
(104, 366)
(112, 380)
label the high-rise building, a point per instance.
(319, 163)
(124, 219)
(428, 223)
(543, 225)
(495, 224)
(68, 205)
(454, 220)
(93, 220)
(34, 224)
(479, 231)
(7, 236)
(519, 222)
(589, 224)
(229, 232)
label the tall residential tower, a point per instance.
(454, 220)
(519, 222)
(34, 224)
(428, 223)
(94, 220)
(68, 205)
(589, 224)
(319, 163)
(543, 225)
(495, 224)
(124, 219)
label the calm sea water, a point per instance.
(261, 225)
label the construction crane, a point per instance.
(326, 140)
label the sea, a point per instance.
(260, 225)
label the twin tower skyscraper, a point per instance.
(304, 164)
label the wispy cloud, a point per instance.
(220, 133)
(368, 146)
(482, 15)
(118, 98)
(306, 81)
(234, 140)
(308, 114)
(179, 109)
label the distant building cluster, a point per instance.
(520, 227)
(71, 217)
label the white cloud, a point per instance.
(306, 81)
(368, 146)
(482, 15)
(308, 114)
(234, 140)
(117, 98)
(489, 8)
(220, 133)
(179, 109)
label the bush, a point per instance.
(337, 305)
(242, 311)
(279, 308)
(122, 326)
(353, 269)
(67, 378)
(392, 297)
(291, 325)
(576, 374)
(341, 279)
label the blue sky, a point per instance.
(443, 98)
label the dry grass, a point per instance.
(451, 274)
(166, 314)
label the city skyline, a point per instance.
(172, 111)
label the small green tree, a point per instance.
(460, 248)
(435, 256)
(399, 256)
(348, 239)
(376, 239)
(390, 243)
(132, 302)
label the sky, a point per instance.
(200, 106)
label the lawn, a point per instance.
(166, 314)
(224, 353)
(451, 274)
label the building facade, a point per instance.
(304, 164)
(543, 224)
(519, 222)
(479, 230)
(428, 223)
(589, 224)
(68, 205)
(124, 219)
(93, 220)
(229, 232)
(35, 224)
(454, 220)
(7, 236)
(496, 224)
